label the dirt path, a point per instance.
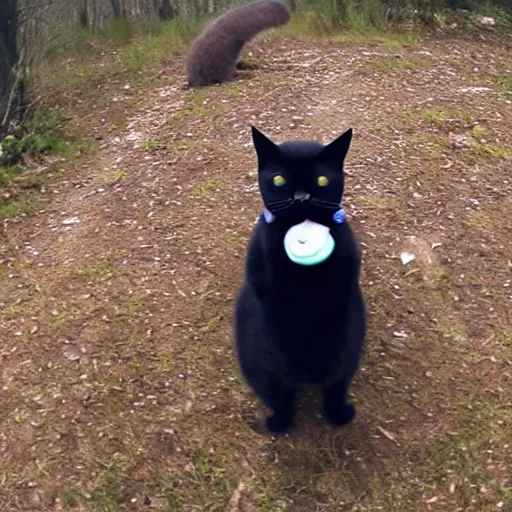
(119, 386)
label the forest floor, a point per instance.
(120, 390)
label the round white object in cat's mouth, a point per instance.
(308, 243)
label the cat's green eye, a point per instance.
(322, 181)
(278, 180)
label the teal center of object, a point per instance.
(308, 243)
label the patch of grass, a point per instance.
(457, 333)
(492, 216)
(504, 340)
(62, 318)
(195, 105)
(390, 65)
(392, 40)
(480, 131)
(107, 496)
(11, 312)
(43, 133)
(7, 174)
(204, 484)
(148, 145)
(439, 117)
(325, 17)
(229, 239)
(414, 63)
(121, 31)
(151, 49)
(84, 59)
(207, 186)
(474, 455)
(22, 204)
(434, 116)
(71, 498)
(269, 504)
(492, 150)
(504, 82)
(97, 271)
(72, 43)
(114, 177)
(274, 80)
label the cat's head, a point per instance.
(301, 180)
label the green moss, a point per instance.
(491, 150)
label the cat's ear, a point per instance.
(265, 148)
(336, 151)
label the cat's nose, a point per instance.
(300, 195)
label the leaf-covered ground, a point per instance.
(119, 386)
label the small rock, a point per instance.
(71, 353)
(71, 220)
(407, 257)
(475, 89)
(486, 20)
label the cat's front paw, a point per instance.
(340, 414)
(279, 423)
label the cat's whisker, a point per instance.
(280, 208)
(325, 204)
(277, 203)
(326, 201)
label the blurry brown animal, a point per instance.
(213, 55)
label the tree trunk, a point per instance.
(166, 10)
(83, 14)
(10, 85)
(116, 7)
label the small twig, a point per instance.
(488, 340)
(234, 501)
(413, 271)
(387, 434)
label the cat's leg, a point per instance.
(337, 409)
(260, 365)
(281, 399)
(276, 395)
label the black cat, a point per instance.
(298, 324)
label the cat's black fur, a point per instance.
(295, 324)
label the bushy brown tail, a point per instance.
(213, 54)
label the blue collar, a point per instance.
(269, 217)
